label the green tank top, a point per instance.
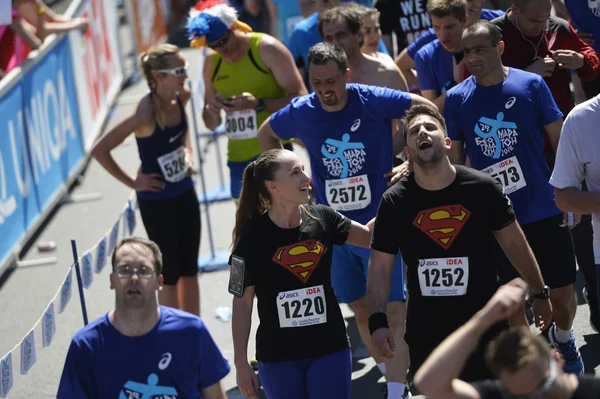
(248, 75)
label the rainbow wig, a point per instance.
(210, 20)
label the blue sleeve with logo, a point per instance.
(421, 41)
(77, 380)
(389, 103)
(213, 366)
(547, 107)
(424, 66)
(451, 107)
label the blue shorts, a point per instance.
(349, 271)
(236, 173)
(324, 377)
(236, 176)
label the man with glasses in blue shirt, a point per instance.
(141, 349)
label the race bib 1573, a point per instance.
(508, 173)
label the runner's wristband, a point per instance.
(377, 321)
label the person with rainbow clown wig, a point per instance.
(248, 75)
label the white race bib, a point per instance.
(241, 125)
(508, 173)
(290, 22)
(348, 194)
(174, 165)
(444, 276)
(303, 307)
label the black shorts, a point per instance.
(552, 246)
(475, 368)
(174, 225)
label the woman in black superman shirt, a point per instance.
(282, 254)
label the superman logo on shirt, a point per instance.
(442, 224)
(301, 258)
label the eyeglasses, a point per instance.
(179, 71)
(142, 272)
(221, 42)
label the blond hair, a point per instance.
(157, 57)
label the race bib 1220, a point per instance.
(303, 307)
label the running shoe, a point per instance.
(573, 360)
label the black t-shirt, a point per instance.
(291, 270)
(408, 19)
(446, 240)
(589, 388)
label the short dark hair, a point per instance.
(484, 28)
(422, 109)
(151, 245)
(322, 53)
(445, 8)
(524, 4)
(513, 348)
(348, 12)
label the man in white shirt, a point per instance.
(578, 158)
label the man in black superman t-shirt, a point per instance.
(444, 219)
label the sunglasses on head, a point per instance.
(178, 71)
(221, 42)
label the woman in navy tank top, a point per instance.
(163, 184)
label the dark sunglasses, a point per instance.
(221, 42)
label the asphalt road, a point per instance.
(28, 290)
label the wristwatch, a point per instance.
(545, 294)
(260, 105)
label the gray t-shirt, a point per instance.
(578, 156)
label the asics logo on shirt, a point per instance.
(511, 101)
(165, 360)
(442, 224)
(497, 137)
(355, 125)
(172, 139)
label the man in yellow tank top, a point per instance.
(248, 75)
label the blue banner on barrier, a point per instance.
(40, 144)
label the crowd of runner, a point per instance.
(453, 186)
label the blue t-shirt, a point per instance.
(350, 150)
(434, 68)
(429, 35)
(585, 16)
(176, 359)
(289, 15)
(306, 34)
(503, 130)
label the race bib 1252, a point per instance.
(443, 276)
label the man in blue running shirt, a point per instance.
(500, 115)
(306, 34)
(347, 131)
(405, 60)
(141, 349)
